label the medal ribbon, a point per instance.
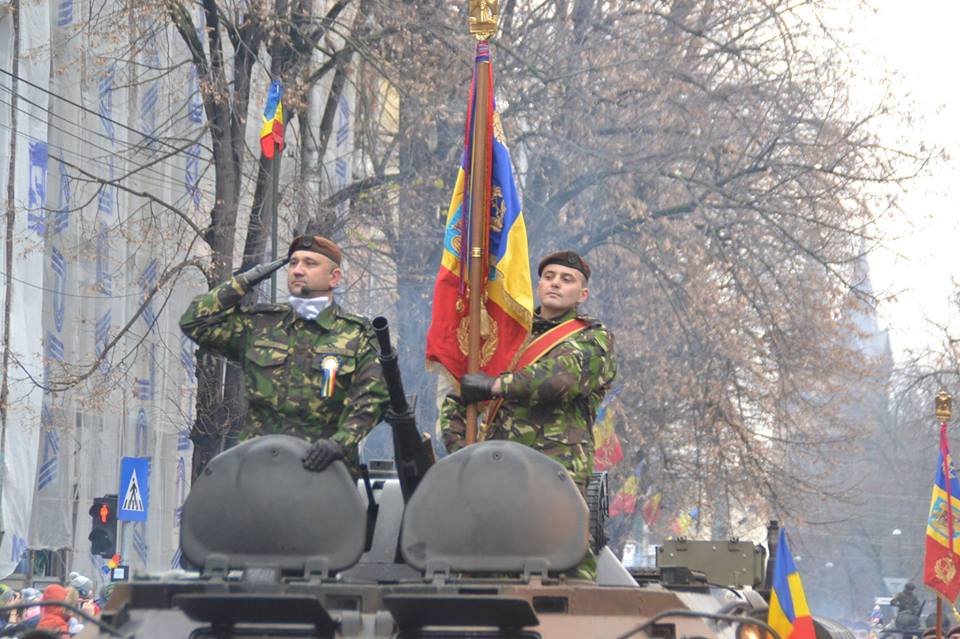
(329, 364)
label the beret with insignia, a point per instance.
(569, 259)
(317, 244)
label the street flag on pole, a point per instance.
(940, 559)
(271, 131)
(651, 509)
(608, 451)
(625, 501)
(789, 614)
(507, 310)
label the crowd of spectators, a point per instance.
(18, 617)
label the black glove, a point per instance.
(260, 272)
(476, 387)
(322, 453)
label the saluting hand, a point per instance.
(250, 278)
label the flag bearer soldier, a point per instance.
(549, 400)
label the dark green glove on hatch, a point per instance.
(249, 279)
(322, 453)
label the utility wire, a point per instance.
(83, 108)
(163, 180)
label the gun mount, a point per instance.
(488, 540)
(412, 451)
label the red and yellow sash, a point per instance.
(534, 351)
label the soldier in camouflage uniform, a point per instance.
(311, 369)
(550, 404)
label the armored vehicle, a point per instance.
(905, 625)
(483, 544)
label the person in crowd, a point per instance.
(55, 619)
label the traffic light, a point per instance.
(103, 535)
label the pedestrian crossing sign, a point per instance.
(134, 489)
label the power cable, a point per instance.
(80, 106)
(163, 180)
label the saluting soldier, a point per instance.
(311, 368)
(550, 399)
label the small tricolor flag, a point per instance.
(625, 501)
(651, 509)
(271, 132)
(789, 614)
(684, 522)
(940, 561)
(608, 452)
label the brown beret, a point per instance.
(317, 244)
(566, 258)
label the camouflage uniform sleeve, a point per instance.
(211, 319)
(578, 367)
(366, 399)
(453, 424)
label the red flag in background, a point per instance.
(651, 509)
(625, 501)
(608, 452)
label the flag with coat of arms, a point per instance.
(940, 562)
(507, 309)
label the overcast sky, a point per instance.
(917, 41)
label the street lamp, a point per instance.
(899, 535)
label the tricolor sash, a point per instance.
(534, 351)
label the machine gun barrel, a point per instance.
(410, 449)
(389, 362)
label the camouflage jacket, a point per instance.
(283, 358)
(552, 403)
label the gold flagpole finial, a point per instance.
(943, 403)
(484, 15)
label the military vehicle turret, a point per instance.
(480, 544)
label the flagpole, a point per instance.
(483, 24)
(271, 149)
(274, 202)
(943, 403)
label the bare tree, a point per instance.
(703, 154)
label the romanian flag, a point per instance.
(684, 522)
(941, 563)
(625, 501)
(789, 614)
(508, 296)
(271, 131)
(608, 451)
(651, 509)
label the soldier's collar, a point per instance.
(328, 316)
(325, 319)
(569, 315)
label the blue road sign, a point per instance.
(134, 494)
